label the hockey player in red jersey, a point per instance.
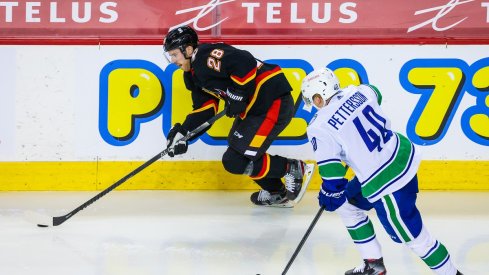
(257, 95)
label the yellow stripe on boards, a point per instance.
(200, 175)
(454, 175)
(89, 176)
(41, 176)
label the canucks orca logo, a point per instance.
(314, 144)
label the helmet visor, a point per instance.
(167, 57)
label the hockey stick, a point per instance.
(309, 230)
(45, 221)
(298, 249)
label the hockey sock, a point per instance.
(361, 231)
(269, 166)
(432, 252)
(271, 185)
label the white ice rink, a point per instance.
(207, 232)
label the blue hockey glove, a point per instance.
(332, 197)
(235, 102)
(175, 145)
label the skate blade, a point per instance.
(287, 204)
(309, 171)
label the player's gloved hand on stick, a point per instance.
(235, 102)
(175, 145)
(332, 196)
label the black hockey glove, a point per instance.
(235, 102)
(175, 145)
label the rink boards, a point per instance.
(82, 117)
(202, 175)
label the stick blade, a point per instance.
(39, 219)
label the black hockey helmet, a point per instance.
(180, 37)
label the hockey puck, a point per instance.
(42, 225)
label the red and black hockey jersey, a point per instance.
(218, 66)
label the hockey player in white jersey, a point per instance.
(351, 127)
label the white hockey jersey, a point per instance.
(353, 128)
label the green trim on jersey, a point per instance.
(363, 232)
(332, 170)
(393, 169)
(436, 257)
(377, 92)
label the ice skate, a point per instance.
(274, 199)
(297, 178)
(369, 267)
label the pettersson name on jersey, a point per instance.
(346, 109)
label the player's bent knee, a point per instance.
(234, 162)
(351, 215)
(422, 243)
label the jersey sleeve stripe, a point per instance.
(247, 78)
(267, 74)
(332, 170)
(260, 79)
(207, 105)
(214, 94)
(377, 92)
(328, 160)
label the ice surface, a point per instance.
(217, 232)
